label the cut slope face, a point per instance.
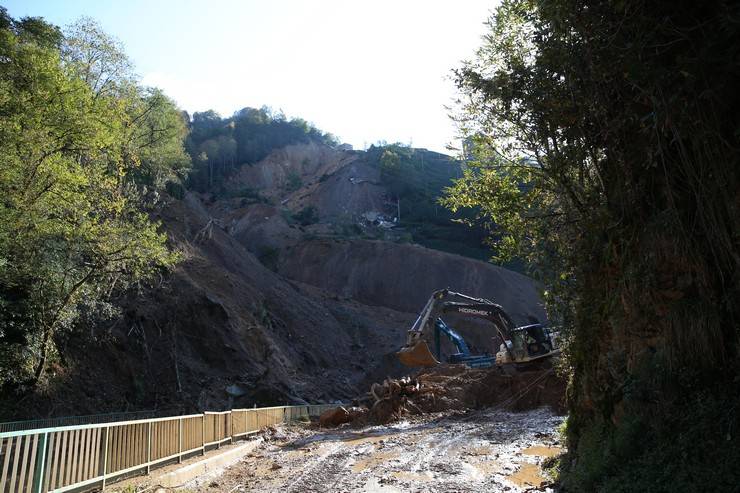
(402, 276)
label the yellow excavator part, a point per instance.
(417, 355)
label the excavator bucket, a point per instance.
(417, 355)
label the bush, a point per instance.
(293, 182)
(307, 215)
(268, 256)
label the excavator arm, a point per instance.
(416, 351)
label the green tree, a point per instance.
(71, 232)
(605, 139)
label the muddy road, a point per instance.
(484, 450)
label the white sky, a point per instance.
(365, 71)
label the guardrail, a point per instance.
(75, 457)
(78, 420)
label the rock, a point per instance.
(334, 417)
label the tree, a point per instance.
(71, 231)
(245, 138)
(97, 59)
(606, 152)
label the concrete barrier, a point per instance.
(206, 467)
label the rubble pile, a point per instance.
(450, 387)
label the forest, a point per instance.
(85, 152)
(218, 146)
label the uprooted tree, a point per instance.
(604, 146)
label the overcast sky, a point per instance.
(365, 71)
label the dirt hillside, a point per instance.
(402, 276)
(266, 310)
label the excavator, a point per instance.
(520, 345)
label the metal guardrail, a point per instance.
(77, 420)
(75, 457)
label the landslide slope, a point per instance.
(267, 307)
(402, 276)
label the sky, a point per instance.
(365, 71)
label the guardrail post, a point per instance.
(179, 442)
(218, 424)
(38, 471)
(148, 447)
(105, 454)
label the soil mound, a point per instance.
(453, 387)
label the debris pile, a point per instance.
(450, 387)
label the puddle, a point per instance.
(488, 467)
(478, 451)
(527, 475)
(374, 460)
(542, 451)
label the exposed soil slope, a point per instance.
(263, 310)
(402, 276)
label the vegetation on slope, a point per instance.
(416, 180)
(606, 150)
(84, 151)
(218, 146)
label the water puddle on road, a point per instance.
(478, 451)
(542, 451)
(374, 460)
(527, 475)
(488, 467)
(359, 439)
(421, 477)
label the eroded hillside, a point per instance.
(268, 308)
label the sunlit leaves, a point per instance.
(75, 132)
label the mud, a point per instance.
(486, 450)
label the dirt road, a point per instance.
(477, 451)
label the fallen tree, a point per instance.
(451, 387)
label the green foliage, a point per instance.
(306, 216)
(247, 194)
(602, 146)
(293, 181)
(417, 178)
(346, 229)
(219, 146)
(78, 142)
(692, 448)
(269, 256)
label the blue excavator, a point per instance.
(520, 345)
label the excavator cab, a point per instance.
(528, 343)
